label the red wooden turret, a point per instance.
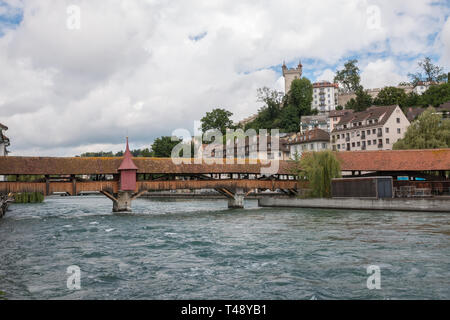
(128, 171)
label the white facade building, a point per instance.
(321, 121)
(4, 141)
(309, 141)
(325, 96)
(377, 128)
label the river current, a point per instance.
(201, 250)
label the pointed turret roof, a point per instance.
(127, 163)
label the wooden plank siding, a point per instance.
(113, 186)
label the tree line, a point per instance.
(350, 81)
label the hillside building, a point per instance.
(377, 128)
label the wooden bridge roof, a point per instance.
(407, 160)
(80, 166)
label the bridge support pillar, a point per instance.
(237, 202)
(123, 201)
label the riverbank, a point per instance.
(419, 205)
(3, 207)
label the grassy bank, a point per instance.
(28, 197)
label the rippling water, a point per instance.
(202, 250)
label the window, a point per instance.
(374, 131)
(398, 120)
(311, 146)
(324, 145)
(369, 142)
(387, 141)
(387, 130)
(353, 144)
(399, 131)
(339, 147)
(353, 134)
(358, 144)
(368, 132)
(374, 142)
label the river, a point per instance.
(201, 250)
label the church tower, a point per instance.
(290, 75)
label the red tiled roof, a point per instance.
(340, 113)
(371, 113)
(127, 162)
(399, 160)
(325, 84)
(315, 134)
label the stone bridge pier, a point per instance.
(237, 201)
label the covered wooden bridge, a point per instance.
(128, 178)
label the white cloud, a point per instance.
(381, 73)
(326, 75)
(445, 36)
(149, 67)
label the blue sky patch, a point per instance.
(10, 17)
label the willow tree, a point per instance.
(429, 131)
(319, 168)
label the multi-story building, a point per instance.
(321, 121)
(325, 96)
(4, 141)
(377, 128)
(290, 75)
(312, 140)
(335, 116)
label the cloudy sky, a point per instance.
(147, 67)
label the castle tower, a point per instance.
(291, 74)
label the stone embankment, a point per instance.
(425, 205)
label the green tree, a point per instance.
(218, 119)
(297, 104)
(162, 147)
(436, 95)
(349, 78)
(412, 100)
(431, 72)
(362, 102)
(269, 115)
(429, 131)
(320, 168)
(391, 96)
